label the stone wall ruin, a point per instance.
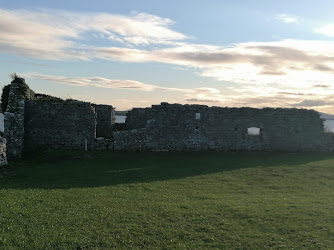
(105, 119)
(36, 122)
(59, 125)
(14, 116)
(198, 127)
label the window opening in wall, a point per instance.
(120, 118)
(253, 131)
(329, 126)
(198, 116)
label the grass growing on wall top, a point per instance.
(103, 200)
(4, 98)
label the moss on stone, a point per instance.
(23, 91)
(43, 97)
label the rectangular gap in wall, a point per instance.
(329, 126)
(253, 131)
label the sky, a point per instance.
(260, 53)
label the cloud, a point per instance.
(283, 62)
(95, 81)
(327, 30)
(22, 35)
(313, 103)
(286, 18)
(102, 82)
(285, 93)
(60, 35)
(321, 86)
(144, 27)
(203, 94)
(200, 100)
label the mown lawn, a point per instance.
(103, 200)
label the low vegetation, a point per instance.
(103, 200)
(4, 98)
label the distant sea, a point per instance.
(329, 125)
(120, 118)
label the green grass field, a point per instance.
(103, 200)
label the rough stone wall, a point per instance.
(35, 122)
(198, 127)
(59, 125)
(104, 144)
(3, 155)
(14, 116)
(104, 120)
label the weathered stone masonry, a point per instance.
(198, 127)
(14, 116)
(59, 125)
(33, 124)
(3, 153)
(38, 122)
(105, 120)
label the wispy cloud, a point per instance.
(327, 30)
(59, 35)
(199, 94)
(287, 18)
(323, 86)
(205, 95)
(32, 35)
(100, 82)
(288, 63)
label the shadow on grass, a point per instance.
(63, 170)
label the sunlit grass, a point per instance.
(103, 200)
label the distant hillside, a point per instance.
(326, 116)
(121, 112)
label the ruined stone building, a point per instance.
(36, 122)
